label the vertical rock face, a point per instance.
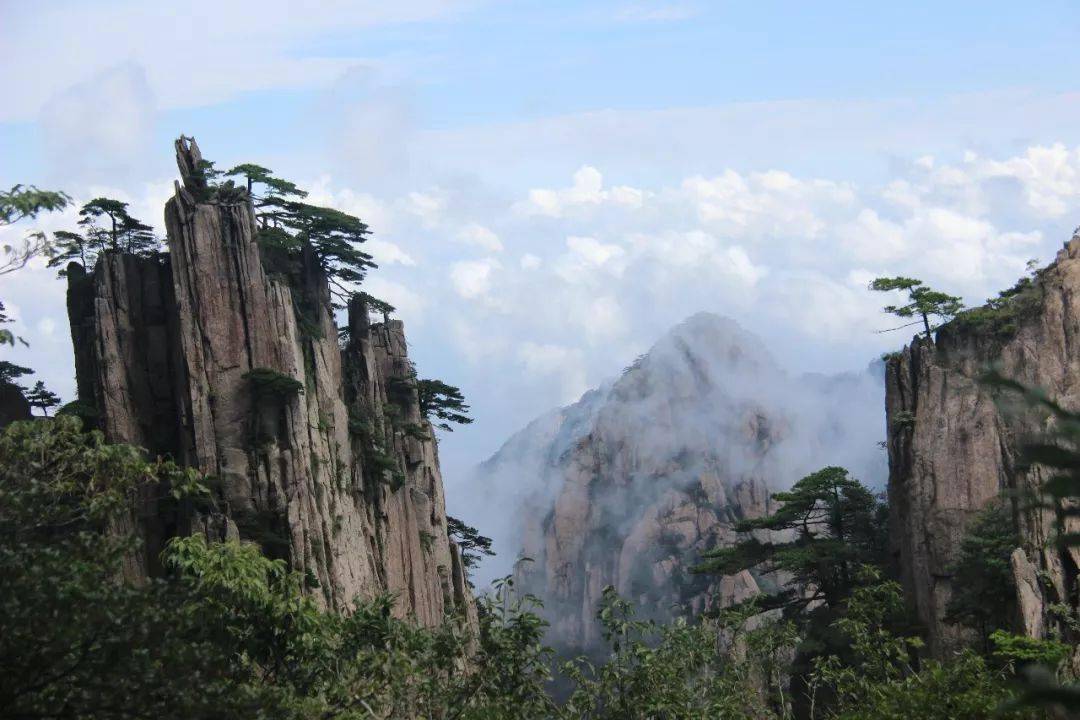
(315, 448)
(630, 485)
(952, 449)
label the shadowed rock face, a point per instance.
(952, 449)
(631, 484)
(342, 479)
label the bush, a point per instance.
(270, 383)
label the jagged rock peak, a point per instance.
(629, 485)
(953, 448)
(338, 473)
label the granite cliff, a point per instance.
(629, 485)
(954, 444)
(228, 359)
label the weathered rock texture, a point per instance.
(631, 484)
(953, 445)
(340, 478)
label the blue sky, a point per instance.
(552, 184)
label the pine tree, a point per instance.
(838, 526)
(923, 302)
(473, 545)
(106, 225)
(39, 397)
(443, 401)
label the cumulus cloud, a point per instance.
(472, 278)
(477, 235)
(587, 189)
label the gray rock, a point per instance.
(162, 350)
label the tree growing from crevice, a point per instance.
(442, 401)
(473, 545)
(923, 302)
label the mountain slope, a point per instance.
(629, 485)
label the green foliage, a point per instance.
(838, 526)
(10, 372)
(266, 382)
(442, 401)
(1057, 456)
(85, 411)
(1021, 649)
(923, 302)
(886, 680)
(679, 670)
(473, 545)
(41, 398)
(984, 591)
(1000, 315)
(374, 304)
(25, 202)
(903, 420)
(227, 633)
(105, 225)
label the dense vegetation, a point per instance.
(230, 633)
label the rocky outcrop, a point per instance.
(229, 361)
(954, 443)
(13, 404)
(630, 485)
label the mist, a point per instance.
(706, 407)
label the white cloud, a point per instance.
(477, 235)
(410, 304)
(472, 278)
(209, 53)
(587, 190)
(428, 206)
(386, 253)
(530, 261)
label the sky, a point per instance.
(552, 185)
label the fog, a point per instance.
(706, 398)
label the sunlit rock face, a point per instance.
(338, 476)
(631, 484)
(954, 446)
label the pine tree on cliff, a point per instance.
(837, 527)
(473, 545)
(923, 302)
(287, 224)
(106, 225)
(443, 401)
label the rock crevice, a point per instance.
(954, 445)
(315, 448)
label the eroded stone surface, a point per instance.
(953, 449)
(341, 480)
